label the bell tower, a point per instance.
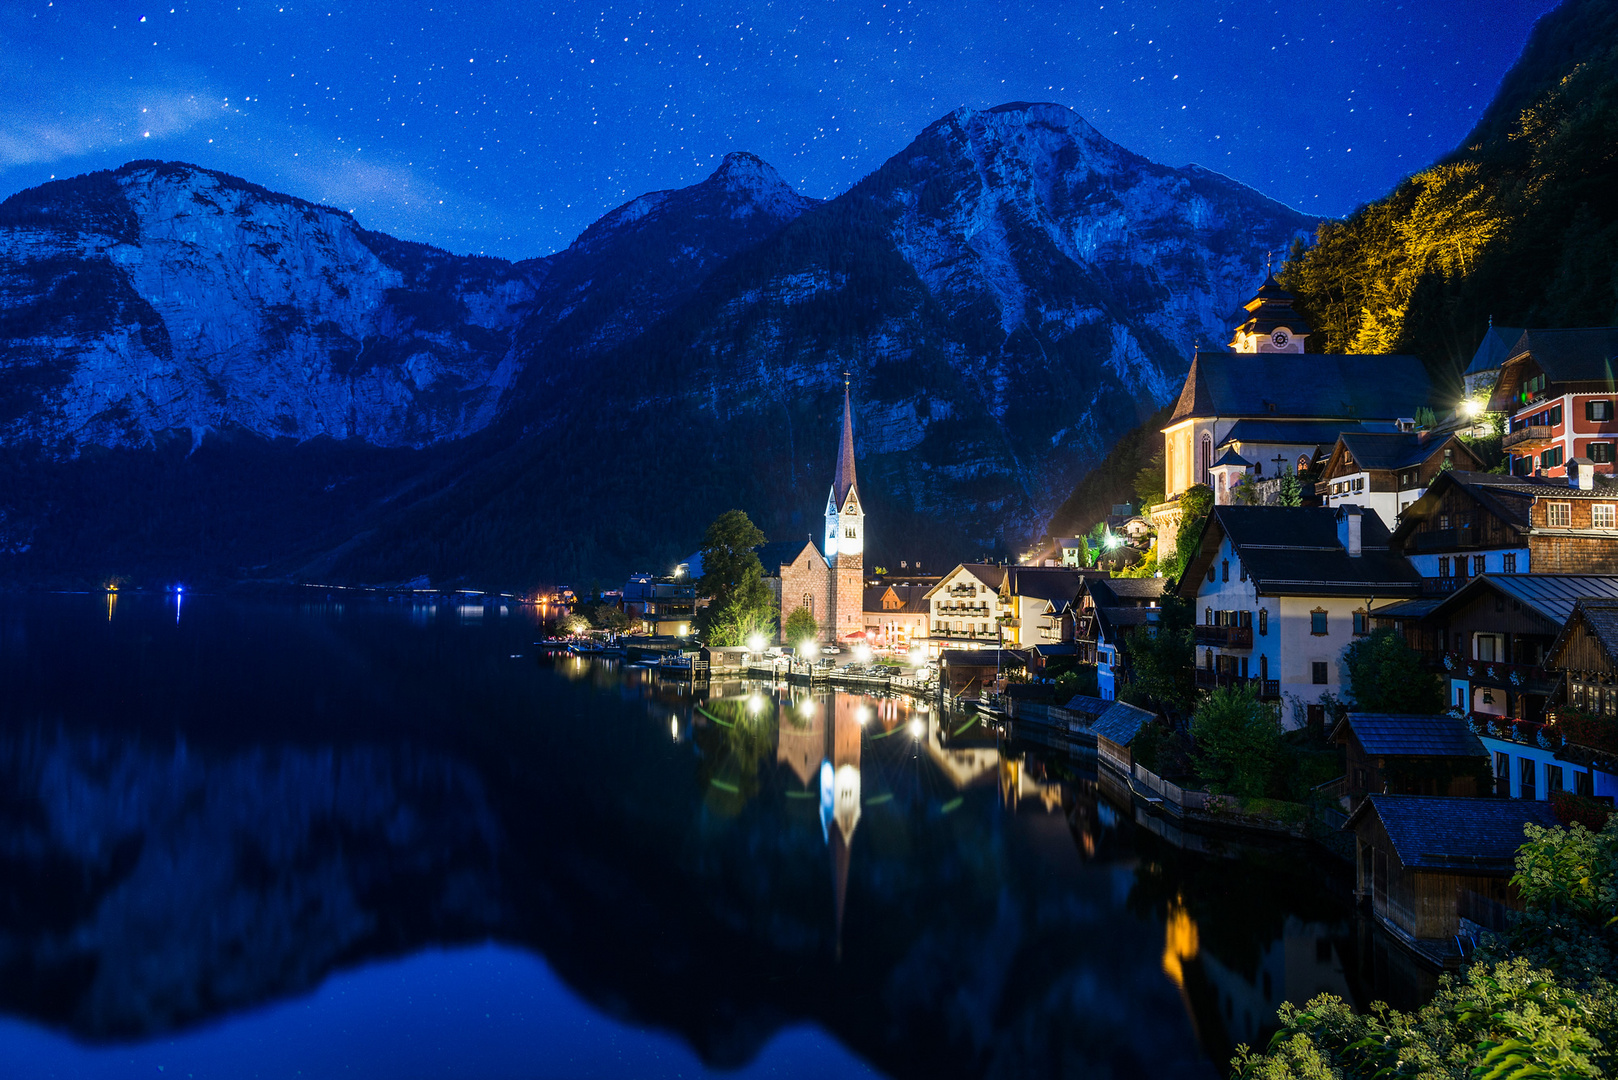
(1272, 326)
(845, 537)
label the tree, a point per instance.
(739, 602)
(801, 626)
(1385, 675)
(1162, 660)
(1150, 480)
(1195, 502)
(1239, 750)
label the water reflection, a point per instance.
(212, 815)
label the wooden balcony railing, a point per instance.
(1528, 438)
(1228, 637)
(1208, 679)
(1528, 677)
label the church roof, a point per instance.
(1231, 457)
(844, 480)
(1303, 386)
(1498, 343)
(1299, 432)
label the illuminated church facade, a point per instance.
(831, 583)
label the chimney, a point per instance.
(1348, 530)
(1581, 473)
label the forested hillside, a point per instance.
(1519, 224)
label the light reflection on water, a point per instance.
(266, 794)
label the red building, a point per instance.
(1558, 388)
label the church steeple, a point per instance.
(1271, 324)
(845, 517)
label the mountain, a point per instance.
(1010, 293)
(1518, 225)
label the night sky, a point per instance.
(506, 128)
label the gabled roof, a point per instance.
(1375, 450)
(1121, 723)
(1231, 457)
(990, 574)
(1587, 354)
(1441, 833)
(1294, 551)
(1398, 735)
(983, 658)
(1498, 343)
(1600, 618)
(1508, 498)
(912, 599)
(808, 548)
(1551, 596)
(1312, 433)
(1054, 583)
(1303, 386)
(1112, 623)
(1108, 592)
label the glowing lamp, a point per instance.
(916, 729)
(756, 643)
(807, 647)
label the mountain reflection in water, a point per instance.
(206, 815)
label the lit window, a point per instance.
(1443, 521)
(1443, 566)
(1559, 515)
(1601, 516)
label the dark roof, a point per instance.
(1054, 583)
(1552, 596)
(1600, 617)
(1439, 833)
(1231, 457)
(1106, 592)
(1121, 723)
(1498, 343)
(1092, 707)
(844, 479)
(1390, 450)
(1584, 355)
(983, 657)
(1299, 432)
(1396, 735)
(1112, 622)
(1293, 551)
(1303, 386)
(1408, 609)
(1508, 498)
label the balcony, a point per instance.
(1208, 679)
(1528, 439)
(1225, 637)
(1527, 677)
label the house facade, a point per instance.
(1557, 388)
(1280, 592)
(1386, 473)
(966, 607)
(896, 616)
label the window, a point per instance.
(809, 603)
(1554, 417)
(1602, 516)
(1598, 411)
(1359, 483)
(1443, 521)
(1502, 771)
(1303, 463)
(1207, 616)
(1243, 568)
(1316, 716)
(1443, 566)
(1207, 457)
(1211, 571)
(1599, 452)
(1460, 566)
(1318, 672)
(1581, 783)
(849, 532)
(1264, 667)
(1479, 564)
(1263, 621)
(1551, 458)
(1317, 622)
(1508, 562)
(1527, 770)
(1559, 515)
(1224, 569)
(1553, 778)
(1361, 624)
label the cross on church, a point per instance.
(1280, 464)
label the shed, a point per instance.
(1411, 755)
(1417, 855)
(1115, 730)
(968, 673)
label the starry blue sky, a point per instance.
(507, 127)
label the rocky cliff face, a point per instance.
(1011, 292)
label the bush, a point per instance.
(1239, 750)
(1385, 675)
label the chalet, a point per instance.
(1585, 728)
(1282, 591)
(1492, 638)
(1557, 387)
(1471, 523)
(1419, 855)
(964, 608)
(1411, 755)
(896, 616)
(1275, 408)
(1105, 613)
(1035, 598)
(1388, 472)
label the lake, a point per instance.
(354, 837)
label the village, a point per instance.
(1360, 613)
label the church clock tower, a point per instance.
(845, 538)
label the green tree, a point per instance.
(1150, 480)
(739, 602)
(1239, 749)
(801, 626)
(1195, 502)
(1385, 675)
(1162, 675)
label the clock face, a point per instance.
(1280, 338)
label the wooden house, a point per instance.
(1557, 386)
(1105, 613)
(1417, 855)
(1475, 523)
(970, 674)
(1586, 734)
(1410, 755)
(1387, 472)
(1115, 730)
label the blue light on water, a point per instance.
(488, 1012)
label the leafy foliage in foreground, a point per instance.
(1386, 675)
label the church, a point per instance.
(1266, 408)
(832, 584)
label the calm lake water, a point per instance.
(358, 838)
